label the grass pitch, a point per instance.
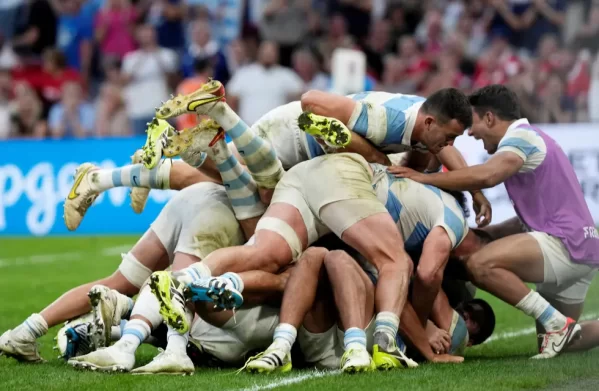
(33, 272)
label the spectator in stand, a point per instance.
(307, 68)
(286, 23)
(473, 25)
(546, 60)
(587, 33)
(74, 37)
(72, 117)
(377, 47)
(357, 15)
(448, 75)
(430, 32)
(111, 69)
(167, 17)
(146, 73)
(397, 20)
(41, 29)
(556, 107)
(336, 37)
(114, 28)
(414, 66)
(511, 20)
(550, 18)
(260, 87)
(203, 47)
(5, 96)
(9, 14)
(202, 70)
(111, 114)
(27, 113)
(55, 73)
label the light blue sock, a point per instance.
(388, 323)
(354, 338)
(235, 279)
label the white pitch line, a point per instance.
(530, 330)
(64, 256)
(291, 380)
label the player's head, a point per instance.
(494, 108)
(479, 318)
(268, 54)
(445, 116)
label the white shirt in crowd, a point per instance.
(262, 89)
(148, 87)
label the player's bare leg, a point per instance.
(20, 342)
(299, 297)
(378, 239)
(501, 267)
(354, 298)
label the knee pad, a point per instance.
(133, 270)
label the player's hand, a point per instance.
(447, 359)
(482, 208)
(405, 172)
(440, 340)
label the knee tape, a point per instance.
(133, 270)
(282, 228)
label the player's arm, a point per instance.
(413, 331)
(429, 274)
(361, 146)
(481, 176)
(453, 160)
(328, 104)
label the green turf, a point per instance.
(31, 275)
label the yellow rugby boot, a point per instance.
(169, 293)
(330, 130)
(198, 101)
(80, 197)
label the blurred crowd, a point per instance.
(81, 68)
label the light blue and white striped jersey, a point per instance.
(386, 120)
(418, 208)
(524, 142)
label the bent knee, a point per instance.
(314, 256)
(478, 267)
(119, 283)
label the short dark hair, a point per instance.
(484, 236)
(497, 99)
(481, 313)
(447, 104)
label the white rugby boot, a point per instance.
(80, 197)
(24, 350)
(357, 360)
(167, 363)
(111, 359)
(554, 342)
(269, 361)
(74, 338)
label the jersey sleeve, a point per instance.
(527, 144)
(445, 212)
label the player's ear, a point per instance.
(489, 119)
(428, 121)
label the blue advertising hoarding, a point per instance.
(36, 176)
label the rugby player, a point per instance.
(194, 222)
(336, 192)
(560, 251)
(281, 129)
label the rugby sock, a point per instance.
(195, 272)
(258, 154)
(117, 331)
(147, 306)
(284, 337)
(176, 343)
(132, 175)
(354, 338)
(32, 328)
(241, 187)
(235, 280)
(387, 322)
(536, 306)
(134, 334)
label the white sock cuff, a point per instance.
(164, 173)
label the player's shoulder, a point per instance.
(523, 138)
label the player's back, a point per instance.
(418, 208)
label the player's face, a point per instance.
(472, 326)
(437, 136)
(482, 129)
